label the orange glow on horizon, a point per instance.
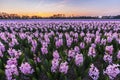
(48, 14)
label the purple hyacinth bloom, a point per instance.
(67, 35)
(88, 40)
(71, 33)
(1, 54)
(55, 65)
(71, 53)
(77, 49)
(59, 43)
(97, 39)
(109, 49)
(33, 49)
(12, 61)
(14, 53)
(60, 35)
(76, 35)
(107, 58)
(2, 47)
(92, 52)
(112, 71)
(44, 50)
(82, 45)
(36, 59)
(56, 54)
(75, 40)
(103, 42)
(109, 39)
(63, 67)
(93, 45)
(93, 72)
(29, 39)
(82, 34)
(44, 44)
(11, 51)
(11, 70)
(118, 55)
(69, 42)
(47, 39)
(78, 59)
(115, 35)
(34, 43)
(22, 35)
(13, 42)
(118, 40)
(25, 68)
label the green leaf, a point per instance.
(21, 59)
(75, 71)
(46, 63)
(31, 62)
(0, 63)
(33, 78)
(79, 78)
(16, 77)
(106, 78)
(49, 75)
(65, 78)
(42, 67)
(1, 72)
(37, 70)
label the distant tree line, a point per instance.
(55, 16)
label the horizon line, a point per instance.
(53, 14)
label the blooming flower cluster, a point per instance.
(44, 50)
(34, 45)
(59, 43)
(63, 67)
(55, 61)
(78, 59)
(10, 71)
(2, 49)
(92, 52)
(14, 53)
(108, 54)
(118, 54)
(109, 49)
(11, 68)
(25, 68)
(93, 72)
(112, 71)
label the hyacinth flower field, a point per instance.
(60, 50)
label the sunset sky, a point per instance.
(67, 7)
